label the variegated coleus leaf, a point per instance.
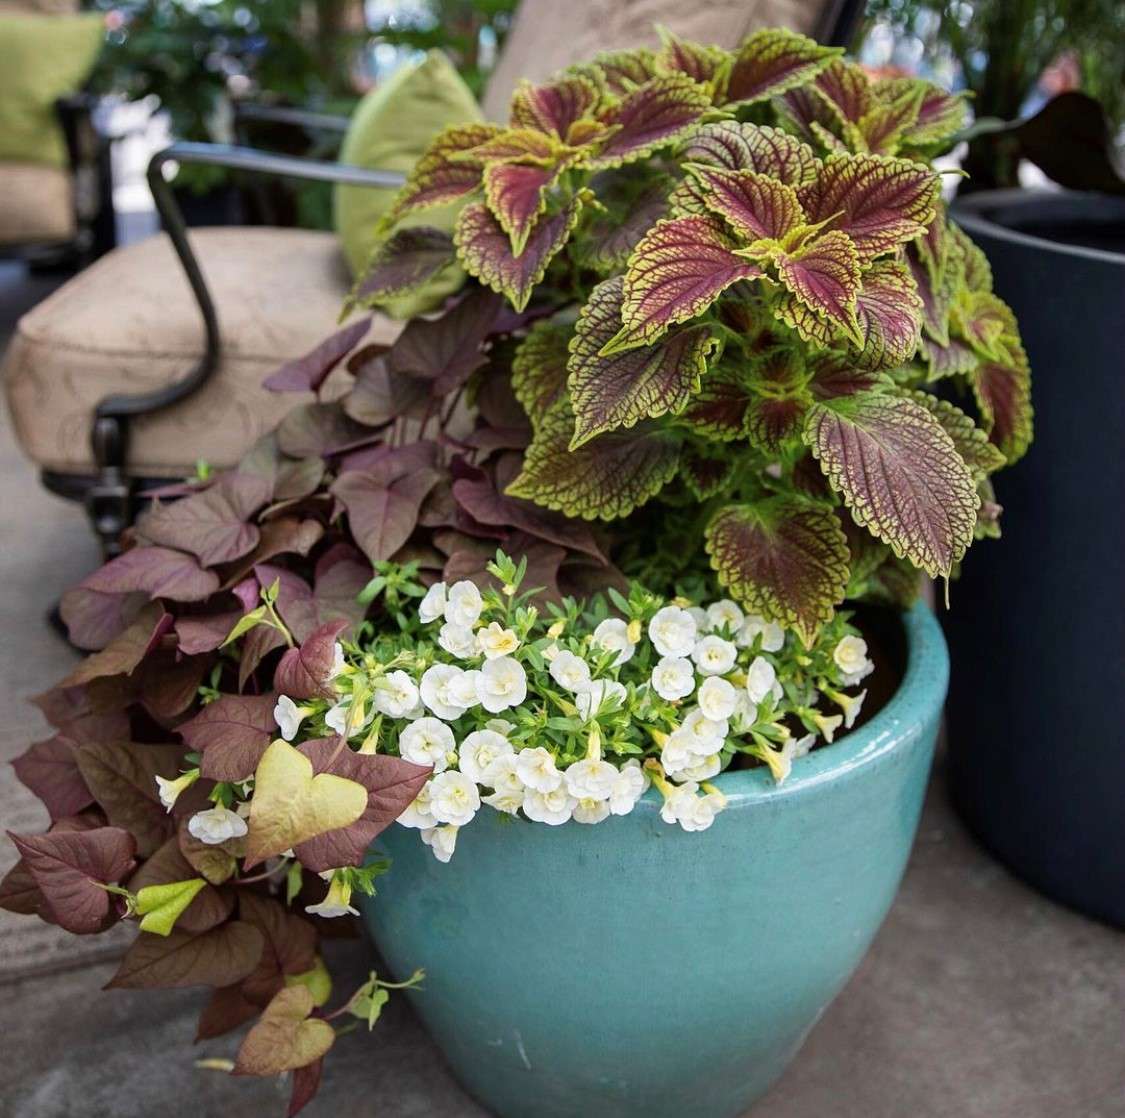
(611, 237)
(440, 176)
(705, 472)
(949, 358)
(936, 294)
(604, 479)
(986, 322)
(972, 444)
(899, 474)
(784, 558)
(718, 409)
(404, 261)
(799, 109)
(539, 369)
(883, 127)
(822, 279)
(878, 201)
(756, 206)
(779, 400)
(1003, 393)
(736, 146)
(516, 194)
(845, 90)
(975, 268)
(555, 106)
(655, 114)
(706, 65)
(608, 392)
(485, 251)
(618, 72)
(773, 60)
(940, 114)
(519, 145)
(679, 268)
(889, 312)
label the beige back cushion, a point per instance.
(548, 35)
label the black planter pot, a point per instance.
(1037, 627)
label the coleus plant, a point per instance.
(717, 310)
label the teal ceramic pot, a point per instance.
(632, 970)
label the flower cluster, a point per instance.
(572, 713)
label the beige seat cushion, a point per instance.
(130, 324)
(547, 36)
(37, 206)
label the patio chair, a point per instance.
(112, 387)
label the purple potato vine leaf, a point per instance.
(125, 651)
(305, 672)
(232, 733)
(383, 516)
(158, 572)
(219, 957)
(308, 372)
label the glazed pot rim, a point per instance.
(920, 695)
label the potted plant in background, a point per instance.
(588, 528)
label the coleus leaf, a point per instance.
(823, 277)
(122, 655)
(889, 313)
(554, 106)
(291, 805)
(603, 479)
(878, 201)
(649, 117)
(936, 299)
(883, 127)
(520, 145)
(757, 206)
(608, 392)
(391, 785)
(619, 71)
(232, 733)
(309, 371)
(779, 401)
(404, 261)
(219, 957)
(785, 558)
(986, 322)
(285, 1037)
(705, 473)
(440, 176)
(70, 869)
(703, 64)
(900, 475)
(940, 114)
(773, 60)
(516, 194)
(679, 268)
(381, 516)
(539, 369)
(972, 444)
(485, 251)
(718, 409)
(1003, 393)
(950, 359)
(736, 146)
(975, 266)
(609, 241)
(213, 525)
(845, 90)
(305, 672)
(158, 572)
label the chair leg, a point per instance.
(109, 501)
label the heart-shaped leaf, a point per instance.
(308, 372)
(124, 652)
(49, 768)
(305, 672)
(232, 733)
(382, 517)
(286, 1037)
(773, 60)
(290, 805)
(157, 571)
(93, 618)
(219, 957)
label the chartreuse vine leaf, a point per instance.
(757, 206)
(160, 906)
(539, 369)
(900, 475)
(773, 60)
(889, 312)
(603, 479)
(737, 146)
(783, 557)
(485, 250)
(679, 268)
(878, 201)
(607, 392)
(317, 980)
(285, 1037)
(823, 278)
(972, 444)
(290, 805)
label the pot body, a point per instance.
(1037, 625)
(632, 969)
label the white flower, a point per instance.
(628, 787)
(495, 640)
(432, 606)
(441, 840)
(216, 825)
(502, 683)
(673, 678)
(714, 656)
(717, 698)
(549, 807)
(506, 801)
(693, 812)
(395, 695)
(463, 604)
(339, 661)
(463, 689)
(427, 741)
(590, 779)
(672, 631)
(772, 634)
(536, 768)
(479, 751)
(802, 745)
(590, 811)
(454, 798)
(827, 724)
(699, 615)
(761, 680)
(612, 634)
(745, 714)
(337, 718)
(337, 902)
(676, 754)
(418, 813)
(599, 693)
(437, 690)
(704, 735)
(724, 614)
(570, 671)
(458, 640)
(851, 658)
(851, 705)
(503, 775)
(169, 790)
(701, 770)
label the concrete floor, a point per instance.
(979, 999)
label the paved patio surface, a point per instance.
(979, 999)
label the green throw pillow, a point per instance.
(42, 58)
(391, 127)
